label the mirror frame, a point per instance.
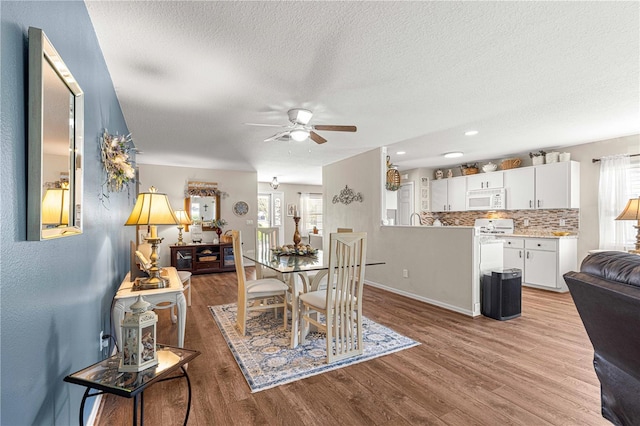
(187, 208)
(41, 54)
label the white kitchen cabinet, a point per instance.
(519, 185)
(485, 181)
(558, 185)
(548, 186)
(448, 194)
(543, 261)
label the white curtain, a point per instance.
(614, 192)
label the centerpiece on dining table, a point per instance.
(295, 250)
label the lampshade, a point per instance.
(152, 208)
(55, 207)
(631, 211)
(299, 135)
(183, 217)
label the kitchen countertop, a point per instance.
(540, 235)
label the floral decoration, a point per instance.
(540, 153)
(117, 161)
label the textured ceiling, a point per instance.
(526, 75)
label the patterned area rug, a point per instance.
(266, 360)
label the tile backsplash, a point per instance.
(540, 221)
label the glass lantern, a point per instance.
(139, 338)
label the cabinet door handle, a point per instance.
(527, 255)
(538, 203)
(487, 184)
(520, 254)
(530, 203)
(481, 184)
(539, 245)
(449, 207)
(444, 208)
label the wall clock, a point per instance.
(240, 208)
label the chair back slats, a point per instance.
(346, 264)
(266, 239)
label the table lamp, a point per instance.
(55, 206)
(183, 219)
(632, 212)
(152, 208)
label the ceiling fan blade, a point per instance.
(335, 128)
(316, 138)
(276, 136)
(265, 125)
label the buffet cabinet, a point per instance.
(203, 258)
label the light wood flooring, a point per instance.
(533, 370)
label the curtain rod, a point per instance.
(311, 193)
(595, 160)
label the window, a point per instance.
(311, 204)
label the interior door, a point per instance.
(270, 212)
(405, 203)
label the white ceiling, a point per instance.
(526, 75)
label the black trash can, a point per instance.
(501, 294)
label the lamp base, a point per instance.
(180, 242)
(150, 283)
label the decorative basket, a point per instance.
(510, 163)
(469, 171)
(207, 258)
(226, 238)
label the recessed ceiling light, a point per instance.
(401, 152)
(471, 133)
(455, 154)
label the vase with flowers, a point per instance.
(537, 158)
(217, 225)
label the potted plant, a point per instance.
(537, 157)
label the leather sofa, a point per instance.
(606, 292)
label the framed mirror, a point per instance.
(203, 210)
(55, 142)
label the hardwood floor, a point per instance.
(533, 370)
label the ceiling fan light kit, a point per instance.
(300, 129)
(299, 135)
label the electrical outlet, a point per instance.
(405, 273)
(526, 222)
(104, 342)
(562, 222)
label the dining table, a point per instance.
(302, 272)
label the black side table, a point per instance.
(105, 377)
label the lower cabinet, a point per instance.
(203, 258)
(543, 261)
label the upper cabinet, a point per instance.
(548, 186)
(485, 181)
(448, 194)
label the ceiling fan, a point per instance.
(300, 129)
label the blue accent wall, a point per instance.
(55, 296)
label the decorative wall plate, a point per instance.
(240, 208)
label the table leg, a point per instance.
(134, 421)
(182, 317)
(118, 315)
(142, 408)
(186, 376)
(84, 399)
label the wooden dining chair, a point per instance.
(340, 304)
(253, 294)
(266, 239)
(342, 230)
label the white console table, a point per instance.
(161, 298)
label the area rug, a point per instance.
(266, 359)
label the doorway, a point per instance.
(270, 214)
(405, 203)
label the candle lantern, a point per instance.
(139, 338)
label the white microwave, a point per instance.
(486, 199)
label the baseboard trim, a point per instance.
(420, 298)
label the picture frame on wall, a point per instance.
(291, 209)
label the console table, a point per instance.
(203, 258)
(159, 298)
(105, 377)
